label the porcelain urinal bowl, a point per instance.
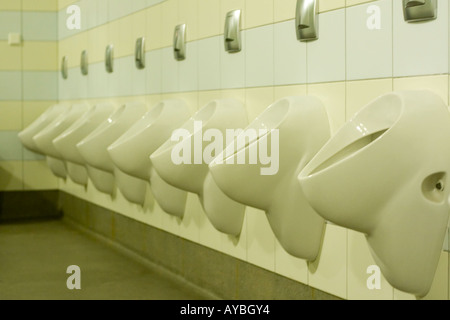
(44, 139)
(291, 131)
(386, 174)
(147, 135)
(66, 143)
(93, 149)
(183, 161)
(49, 115)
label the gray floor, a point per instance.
(34, 257)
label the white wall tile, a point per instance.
(97, 81)
(260, 240)
(40, 85)
(369, 51)
(232, 68)
(209, 63)
(259, 57)
(188, 69)
(169, 71)
(138, 80)
(11, 85)
(326, 56)
(329, 271)
(40, 26)
(154, 71)
(420, 48)
(10, 21)
(289, 55)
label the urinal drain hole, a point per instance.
(433, 187)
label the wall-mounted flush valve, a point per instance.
(109, 58)
(232, 35)
(64, 71)
(419, 10)
(84, 63)
(306, 21)
(139, 55)
(179, 42)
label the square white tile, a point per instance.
(169, 78)
(40, 85)
(421, 48)
(326, 56)
(188, 69)
(289, 55)
(259, 49)
(153, 69)
(369, 40)
(232, 68)
(209, 63)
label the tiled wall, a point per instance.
(346, 68)
(28, 85)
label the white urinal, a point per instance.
(66, 143)
(44, 139)
(386, 174)
(93, 149)
(26, 135)
(181, 161)
(291, 131)
(147, 135)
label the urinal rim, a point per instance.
(211, 108)
(81, 122)
(140, 126)
(111, 120)
(49, 130)
(291, 100)
(310, 169)
(40, 124)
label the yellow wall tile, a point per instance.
(360, 93)
(284, 10)
(33, 109)
(190, 98)
(328, 5)
(40, 5)
(188, 14)
(257, 100)
(260, 240)
(356, 2)
(329, 271)
(11, 57)
(332, 96)
(11, 176)
(169, 15)
(230, 5)
(64, 3)
(210, 19)
(40, 55)
(437, 84)
(287, 91)
(258, 12)
(37, 176)
(11, 5)
(154, 24)
(97, 41)
(72, 48)
(11, 115)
